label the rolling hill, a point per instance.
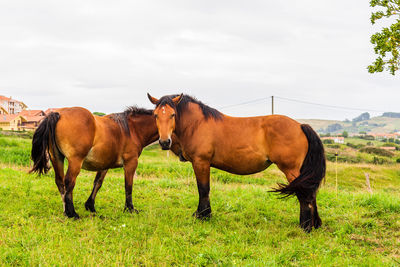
(380, 124)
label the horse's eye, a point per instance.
(172, 115)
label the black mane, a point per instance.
(134, 110)
(207, 111)
(122, 117)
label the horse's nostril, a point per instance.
(165, 144)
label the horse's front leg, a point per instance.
(202, 172)
(129, 170)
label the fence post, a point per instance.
(336, 182)
(369, 189)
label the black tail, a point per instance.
(43, 138)
(312, 171)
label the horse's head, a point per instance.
(165, 114)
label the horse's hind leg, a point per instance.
(306, 213)
(308, 206)
(98, 181)
(57, 160)
(309, 216)
(74, 167)
(317, 222)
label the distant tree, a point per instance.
(99, 113)
(334, 127)
(363, 117)
(391, 114)
(387, 41)
(345, 134)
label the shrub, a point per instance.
(342, 158)
(390, 144)
(336, 146)
(367, 137)
(377, 151)
(327, 141)
(379, 161)
(398, 160)
(358, 146)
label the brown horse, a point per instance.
(93, 143)
(208, 138)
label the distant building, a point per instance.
(15, 117)
(335, 139)
(10, 106)
(11, 122)
(32, 118)
(380, 136)
(31, 113)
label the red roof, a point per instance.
(9, 99)
(4, 98)
(8, 118)
(30, 113)
(34, 118)
(388, 147)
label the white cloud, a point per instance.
(105, 55)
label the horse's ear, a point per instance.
(152, 99)
(177, 99)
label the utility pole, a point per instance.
(272, 99)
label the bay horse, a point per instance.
(207, 138)
(92, 143)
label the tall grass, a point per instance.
(249, 226)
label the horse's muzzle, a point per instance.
(165, 144)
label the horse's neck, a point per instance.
(188, 119)
(145, 128)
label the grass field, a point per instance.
(250, 226)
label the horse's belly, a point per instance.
(243, 166)
(96, 161)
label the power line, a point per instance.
(302, 102)
(245, 103)
(327, 106)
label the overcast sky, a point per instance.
(106, 55)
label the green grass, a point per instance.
(249, 225)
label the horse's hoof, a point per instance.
(202, 215)
(73, 215)
(307, 226)
(317, 223)
(89, 206)
(131, 210)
